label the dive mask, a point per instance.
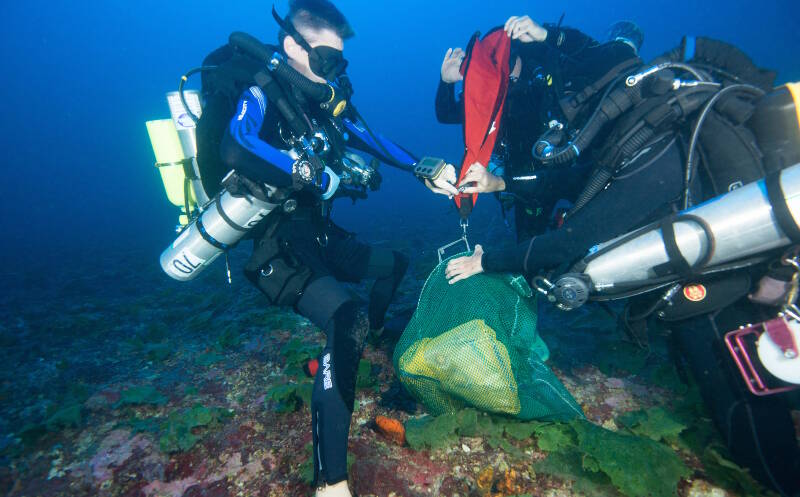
(326, 62)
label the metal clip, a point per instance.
(544, 286)
(464, 223)
(635, 79)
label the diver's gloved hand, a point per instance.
(485, 182)
(524, 29)
(451, 67)
(462, 268)
(444, 184)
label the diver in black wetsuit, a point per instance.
(547, 63)
(300, 255)
(759, 431)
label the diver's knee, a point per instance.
(321, 300)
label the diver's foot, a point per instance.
(336, 490)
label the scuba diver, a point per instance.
(546, 62)
(300, 255)
(702, 133)
(274, 148)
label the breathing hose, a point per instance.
(319, 92)
(687, 181)
(613, 104)
(184, 79)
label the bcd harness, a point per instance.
(642, 107)
(314, 141)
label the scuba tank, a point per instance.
(222, 224)
(175, 147)
(738, 224)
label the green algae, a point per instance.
(229, 338)
(141, 395)
(568, 465)
(290, 396)
(66, 417)
(159, 352)
(365, 378)
(656, 423)
(594, 458)
(636, 466)
(297, 353)
(729, 475)
(438, 432)
(180, 430)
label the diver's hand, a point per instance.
(485, 182)
(464, 267)
(524, 29)
(445, 183)
(451, 67)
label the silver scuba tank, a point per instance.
(729, 227)
(223, 222)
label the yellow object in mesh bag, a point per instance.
(467, 362)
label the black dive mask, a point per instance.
(326, 62)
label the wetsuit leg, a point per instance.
(388, 267)
(353, 261)
(758, 430)
(334, 385)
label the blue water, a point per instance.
(79, 79)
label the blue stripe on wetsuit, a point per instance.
(369, 145)
(246, 124)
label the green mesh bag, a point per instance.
(475, 343)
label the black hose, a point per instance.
(319, 92)
(612, 105)
(184, 79)
(251, 45)
(687, 181)
(596, 183)
(603, 175)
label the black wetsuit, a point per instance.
(301, 258)
(566, 62)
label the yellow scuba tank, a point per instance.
(175, 147)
